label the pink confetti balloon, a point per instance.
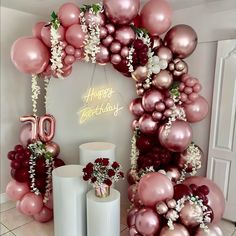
(147, 222)
(16, 190)
(36, 31)
(53, 148)
(30, 55)
(216, 198)
(213, 230)
(176, 138)
(155, 187)
(103, 56)
(147, 125)
(150, 98)
(156, 17)
(44, 215)
(125, 35)
(121, 12)
(179, 230)
(31, 204)
(136, 107)
(69, 14)
(75, 36)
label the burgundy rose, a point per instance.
(94, 179)
(111, 172)
(115, 165)
(107, 182)
(121, 174)
(105, 161)
(98, 160)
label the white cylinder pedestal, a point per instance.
(69, 201)
(103, 214)
(89, 152)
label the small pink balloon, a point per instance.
(197, 88)
(107, 41)
(46, 35)
(115, 59)
(155, 187)
(31, 204)
(103, 32)
(150, 98)
(110, 28)
(63, 54)
(75, 36)
(69, 14)
(135, 125)
(53, 148)
(136, 107)
(156, 17)
(124, 52)
(193, 96)
(69, 60)
(70, 50)
(115, 47)
(125, 35)
(64, 44)
(103, 56)
(131, 216)
(36, 31)
(16, 190)
(44, 215)
(164, 53)
(147, 125)
(78, 53)
(179, 230)
(188, 90)
(97, 19)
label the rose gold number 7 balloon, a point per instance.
(34, 124)
(46, 128)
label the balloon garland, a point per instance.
(165, 201)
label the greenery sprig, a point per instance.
(139, 31)
(55, 21)
(96, 8)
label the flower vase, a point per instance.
(102, 191)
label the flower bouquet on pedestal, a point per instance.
(102, 174)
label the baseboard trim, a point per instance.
(4, 198)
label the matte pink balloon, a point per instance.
(181, 40)
(30, 55)
(131, 216)
(115, 59)
(53, 148)
(176, 138)
(98, 19)
(69, 60)
(197, 110)
(156, 17)
(121, 12)
(75, 36)
(44, 215)
(150, 98)
(136, 107)
(69, 14)
(16, 190)
(46, 35)
(25, 134)
(125, 35)
(216, 198)
(79, 53)
(147, 125)
(179, 230)
(147, 221)
(103, 56)
(107, 41)
(155, 187)
(70, 50)
(67, 72)
(31, 204)
(36, 31)
(213, 230)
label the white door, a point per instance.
(222, 147)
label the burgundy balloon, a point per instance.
(36, 31)
(121, 12)
(30, 55)
(21, 175)
(164, 53)
(181, 190)
(197, 110)
(150, 98)
(46, 35)
(115, 59)
(58, 162)
(98, 19)
(125, 35)
(181, 40)
(176, 138)
(136, 107)
(144, 143)
(147, 125)
(103, 56)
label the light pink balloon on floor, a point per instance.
(18, 206)
(44, 215)
(36, 31)
(16, 190)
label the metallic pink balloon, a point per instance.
(161, 208)
(164, 53)
(163, 80)
(47, 128)
(121, 12)
(178, 67)
(181, 40)
(18, 206)
(136, 107)
(197, 110)
(44, 215)
(157, 42)
(147, 125)
(46, 35)
(155, 187)
(176, 138)
(53, 148)
(133, 231)
(124, 52)
(115, 47)
(75, 36)
(98, 19)
(67, 72)
(216, 198)
(70, 50)
(179, 230)
(78, 53)
(156, 16)
(115, 59)
(107, 41)
(103, 56)
(36, 31)
(125, 35)
(147, 221)
(69, 60)
(103, 32)
(140, 74)
(173, 173)
(131, 216)
(16, 190)
(150, 98)
(30, 55)
(69, 14)
(213, 230)
(110, 28)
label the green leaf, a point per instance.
(54, 15)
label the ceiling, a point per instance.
(45, 7)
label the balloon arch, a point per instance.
(165, 200)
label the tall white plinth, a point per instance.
(103, 214)
(69, 201)
(89, 152)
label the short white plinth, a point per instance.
(89, 152)
(103, 214)
(69, 201)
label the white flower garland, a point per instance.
(50, 167)
(35, 93)
(46, 83)
(134, 155)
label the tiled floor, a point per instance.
(14, 223)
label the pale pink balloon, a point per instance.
(197, 110)
(150, 98)
(30, 55)
(16, 190)
(69, 60)
(53, 148)
(125, 35)
(36, 31)
(44, 215)
(156, 17)
(155, 187)
(121, 12)
(164, 53)
(108, 41)
(98, 19)
(213, 230)
(136, 107)
(46, 35)
(216, 198)
(103, 56)
(124, 52)
(179, 230)
(147, 125)
(147, 221)
(115, 59)
(131, 216)
(181, 40)
(31, 204)
(176, 138)
(75, 36)
(25, 134)
(69, 14)
(115, 47)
